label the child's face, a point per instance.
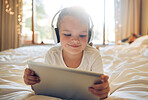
(73, 35)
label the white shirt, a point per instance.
(91, 60)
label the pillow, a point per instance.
(143, 40)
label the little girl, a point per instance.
(74, 32)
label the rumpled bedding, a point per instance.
(127, 67)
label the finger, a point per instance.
(101, 92)
(29, 72)
(34, 78)
(33, 82)
(29, 82)
(101, 86)
(104, 78)
(102, 96)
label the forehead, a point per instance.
(74, 21)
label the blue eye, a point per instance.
(82, 35)
(67, 34)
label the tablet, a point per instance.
(65, 83)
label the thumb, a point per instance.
(104, 78)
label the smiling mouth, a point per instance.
(74, 46)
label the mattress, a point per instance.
(126, 66)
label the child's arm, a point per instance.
(30, 78)
(102, 89)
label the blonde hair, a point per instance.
(76, 12)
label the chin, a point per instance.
(75, 51)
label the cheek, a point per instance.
(84, 39)
(64, 39)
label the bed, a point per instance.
(126, 65)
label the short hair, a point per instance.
(76, 12)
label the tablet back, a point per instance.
(64, 83)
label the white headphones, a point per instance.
(55, 31)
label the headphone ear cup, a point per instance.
(55, 33)
(90, 35)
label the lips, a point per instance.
(74, 46)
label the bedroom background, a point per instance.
(22, 28)
(21, 21)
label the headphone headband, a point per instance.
(92, 25)
(54, 18)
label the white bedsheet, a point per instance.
(126, 66)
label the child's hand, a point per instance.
(102, 89)
(30, 78)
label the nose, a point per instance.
(75, 40)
